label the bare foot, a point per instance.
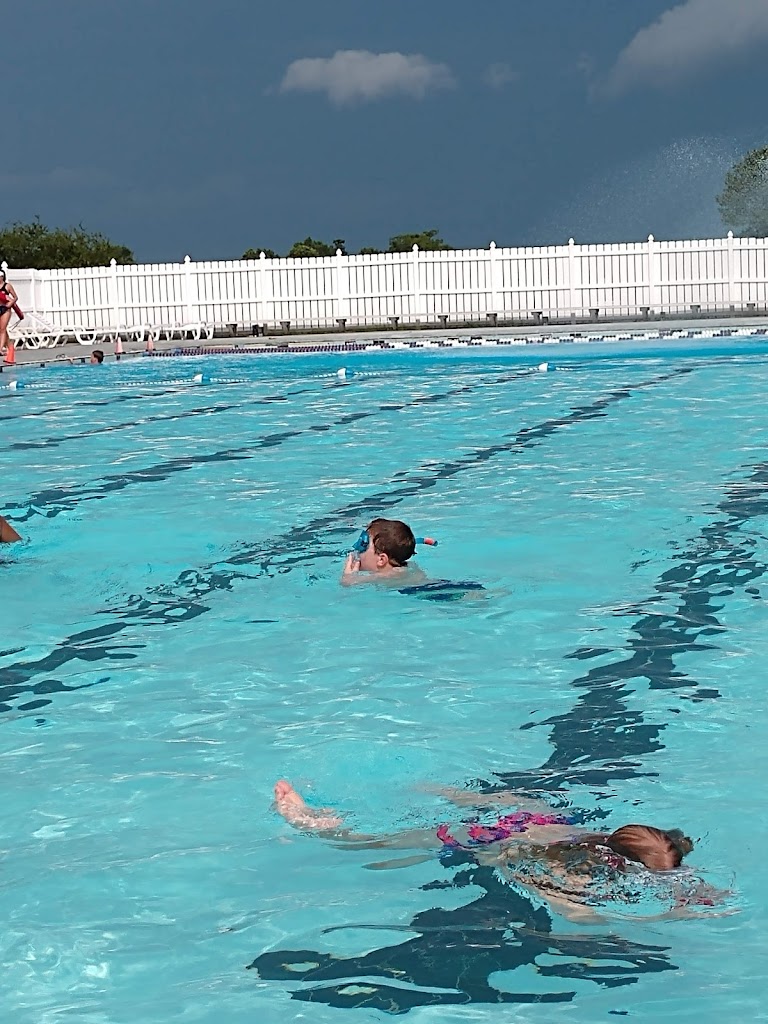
(292, 807)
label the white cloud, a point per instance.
(499, 75)
(359, 76)
(690, 38)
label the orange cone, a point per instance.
(150, 344)
(118, 347)
(10, 354)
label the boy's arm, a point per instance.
(7, 532)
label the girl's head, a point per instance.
(658, 849)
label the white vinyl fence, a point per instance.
(490, 285)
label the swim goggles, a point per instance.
(362, 542)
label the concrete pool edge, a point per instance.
(513, 338)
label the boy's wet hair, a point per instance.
(656, 848)
(392, 538)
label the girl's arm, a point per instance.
(504, 798)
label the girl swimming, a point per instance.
(572, 868)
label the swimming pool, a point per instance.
(175, 640)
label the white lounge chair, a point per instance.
(34, 331)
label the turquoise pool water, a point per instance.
(175, 639)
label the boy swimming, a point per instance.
(381, 554)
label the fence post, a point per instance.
(114, 298)
(730, 297)
(572, 276)
(416, 308)
(653, 293)
(187, 291)
(341, 286)
(495, 289)
(265, 291)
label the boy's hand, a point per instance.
(352, 563)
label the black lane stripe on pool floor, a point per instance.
(167, 605)
(58, 500)
(600, 738)
(58, 439)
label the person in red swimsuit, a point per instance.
(8, 299)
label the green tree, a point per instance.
(368, 251)
(255, 254)
(313, 247)
(744, 200)
(41, 248)
(424, 239)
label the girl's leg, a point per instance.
(5, 319)
(296, 811)
(292, 807)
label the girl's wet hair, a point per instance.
(658, 849)
(655, 848)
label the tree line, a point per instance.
(743, 205)
(44, 248)
(35, 245)
(314, 247)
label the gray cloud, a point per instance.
(498, 75)
(359, 76)
(687, 40)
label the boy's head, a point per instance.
(656, 848)
(391, 544)
(97, 356)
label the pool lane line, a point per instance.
(600, 739)
(59, 439)
(56, 440)
(59, 500)
(168, 388)
(183, 386)
(87, 404)
(164, 605)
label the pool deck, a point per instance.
(336, 341)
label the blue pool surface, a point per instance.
(175, 639)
